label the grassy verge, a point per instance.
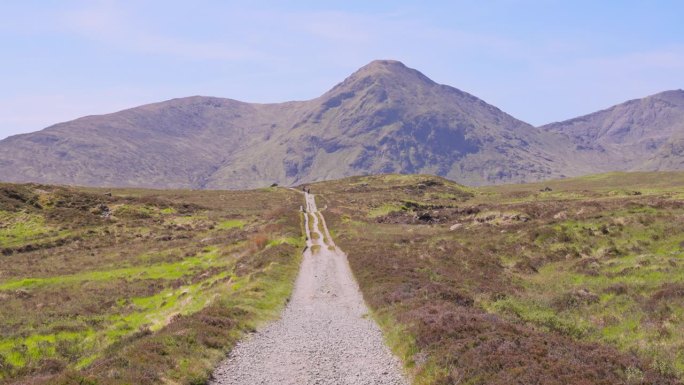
(135, 286)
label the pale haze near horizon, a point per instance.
(540, 61)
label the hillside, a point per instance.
(641, 134)
(387, 118)
(383, 118)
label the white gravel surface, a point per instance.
(324, 335)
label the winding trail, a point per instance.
(324, 335)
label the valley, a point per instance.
(342, 193)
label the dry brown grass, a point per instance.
(259, 241)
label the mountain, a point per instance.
(387, 118)
(384, 118)
(644, 134)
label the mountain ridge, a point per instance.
(630, 135)
(383, 118)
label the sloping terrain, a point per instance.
(577, 281)
(174, 144)
(383, 118)
(387, 118)
(137, 287)
(641, 134)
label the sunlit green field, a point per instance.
(137, 286)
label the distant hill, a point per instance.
(642, 134)
(384, 118)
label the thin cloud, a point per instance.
(272, 52)
(116, 27)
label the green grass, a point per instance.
(231, 224)
(293, 241)
(649, 256)
(539, 315)
(135, 211)
(18, 228)
(88, 299)
(384, 209)
(151, 313)
(155, 271)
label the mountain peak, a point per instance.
(384, 65)
(389, 68)
(385, 117)
(384, 73)
(673, 96)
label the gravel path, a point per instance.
(324, 335)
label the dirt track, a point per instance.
(324, 335)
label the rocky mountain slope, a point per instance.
(384, 118)
(388, 118)
(641, 134)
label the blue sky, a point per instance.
(540, 61)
